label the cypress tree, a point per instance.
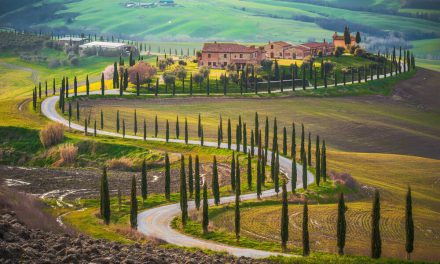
(245, 150)
(85, 127)
(309, 150)
(138, 87)
(190, 177)
(167, 131)
(249, 171)
(70, 112)
(53, 87)
(293, 145)
(221, 128)
(304, 171)
(167, 176)
(409, 225)
(284, 141)
(237, 138)
(94, 129)
(318, 161)
(257, 127)
(177, 128)
(284, 218)
(233, 171)
(252, 152)
(183, 198)
(134, 204)
(77, 111)
(229, 134)
(259, 178)
(123, 128)
(205, 221)
(197, 182)
(266, 134)
(294, 177)
(323, 162)
(215, 184)
(156, 127)
(102, 120)
(302, 150)
(237, 210)
(305, 230)
(237, 176)
(144, 186)
(117, 121)
(277, 173)
(218, 137)
(263, 167)
(202, 138)
(199, 126)
(105, 197)
(135, 125)
(341, 224)
(186, 131)
(145, 130)
(376, 241)
(102, 84)
(75, 87)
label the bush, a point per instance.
(53, 63)
(51, 134)
(68, 153)
(359, 52)
(338, 51)
(120, 163)
(74, 61)
(183, 63)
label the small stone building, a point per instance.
(219, 55)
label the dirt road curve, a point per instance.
(156, 222)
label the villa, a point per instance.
(339, 41)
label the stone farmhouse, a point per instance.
(72, 40)
(284, 50)
(219, 55)
(338, 41)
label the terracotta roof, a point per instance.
(281, 43)
(342, 38)
(301, 47)
(315, 44)
(228, 47)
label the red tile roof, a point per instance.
(281, 43)
(228, 47)
(315, 44)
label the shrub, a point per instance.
(123, 163)
(53, 63)
(51, 134)
(339, 51)
(344, 179)
(68, 153)
(74, 61)
(145, 71)
(359, 52)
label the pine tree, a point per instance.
(304, 171)
(305, 230)
(197, 182)
(409, 225)
(134, 204)
(167, 131)
(144, 186)
(376, 241)
(205, 221)
(341, 224)
(249, 171)
(167, 177)
(323, 162)
(233, 171)
(190, 177)
(284, 141)
(186, 131)
(105, 198)
(237, 211)
(284, 219)
(215, 184)
(183, 193)
(309, 150)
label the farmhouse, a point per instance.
(279, 50)
(106, 46)
(338, 41)
(316, 47)
(219, 55)
(72, 40)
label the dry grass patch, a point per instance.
(51, 134)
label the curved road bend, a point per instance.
(156, 222)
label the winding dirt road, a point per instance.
(156, 222)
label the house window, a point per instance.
(225, 55)
(209, 55)
(271, 46)
(209, 63)
(225, 63)
(214, 63)
(241, 56)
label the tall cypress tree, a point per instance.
(293, 145)
(102, 84)
(304, 171)
(183, 197)
(266, 134)
(257, 127)
(145, 130)
(138, 84)
(323, 162)
(156, 127)
(277, 173)
(167, 131)
(409, 225)
(294, 177)
(229, 134)
(233, 171)
(134, 204)
(117, 121)
(105, 197)
(167, 177)
(190, 177)
(305, 230)
(102, 120)
(284, 218)
(284, 141)
(249, 171)
(75, 87)
(376, 241)
(237, 210)
(259, 178)
(177, 128)
(244, 138)
(123, 128)
(186, 131)
(237, 176)
(252, 152)
(205, 221)
(318, 161)
(197, 182)
(199, 126)
(309, 150)
(341, 224)
(144, 183)
(215, 184)
(302, 150)
(135, 125)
